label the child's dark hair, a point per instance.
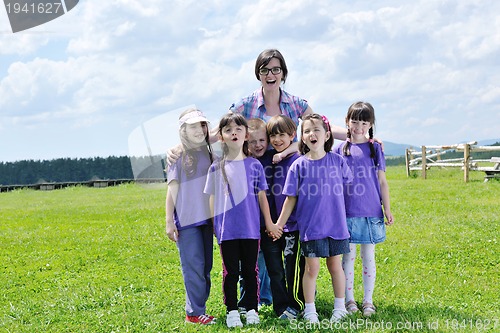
(303, 148)
(281, 124)
(188, 157)
(239, 120)
(360, 111)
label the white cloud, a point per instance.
(421, 64)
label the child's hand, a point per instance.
(389, 218)
(275, 231)
(172, 232)
(173, 154)
(277, 158)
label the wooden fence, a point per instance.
(430, 156)
(91, 183)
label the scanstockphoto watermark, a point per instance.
(406, 326)
(362, 324)
(26, 14)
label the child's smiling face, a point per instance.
(257, 142)
(281, 141)
(196, 133)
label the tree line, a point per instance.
(118, 167)
(27, 172)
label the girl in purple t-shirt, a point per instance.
(369, 188)
(237, 188)
(314, 184)
(190, 226)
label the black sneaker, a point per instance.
(289, 314)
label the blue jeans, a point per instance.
(196, 252)
(265, 297)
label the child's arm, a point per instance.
(172, 232)
(211, 205)
(272, 228)
(292, 148)
(338, 132)
(384, 192)
(287, 210)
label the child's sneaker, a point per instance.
(252, 317)
(289, 314)
(338, 315)
(233, 319)
(203, 319)
(311, 317)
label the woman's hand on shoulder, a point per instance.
(173, 154)
(380, 142)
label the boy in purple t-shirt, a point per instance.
(285, 252)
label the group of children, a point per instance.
(294, 209)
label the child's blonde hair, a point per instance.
(255, 124)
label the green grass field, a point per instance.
(98, 260)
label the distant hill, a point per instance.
(390, 148)
(395, 149)
(489, 142)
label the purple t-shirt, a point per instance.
(280, 170)
(362, 196)
(319, 188)
(187, 215)
(236, 204)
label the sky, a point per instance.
(109, 78)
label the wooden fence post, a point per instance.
(424, 163)
(466, 162)
(407, 160)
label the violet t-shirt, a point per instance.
(236, 204)
(362, 196)
(187, 214)
(319, 188)
(280, 171)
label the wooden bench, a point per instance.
(491, 172)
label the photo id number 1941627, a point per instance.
(32, 8)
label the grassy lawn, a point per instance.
(97, 260)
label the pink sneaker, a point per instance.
(203, 319)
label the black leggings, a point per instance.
(234, 252)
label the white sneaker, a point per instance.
(338, 315)
(252, 317)
(311, 317)
(233, 319)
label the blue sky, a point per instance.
(101, 78)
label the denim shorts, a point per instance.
(324, 248)
(366, 230)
